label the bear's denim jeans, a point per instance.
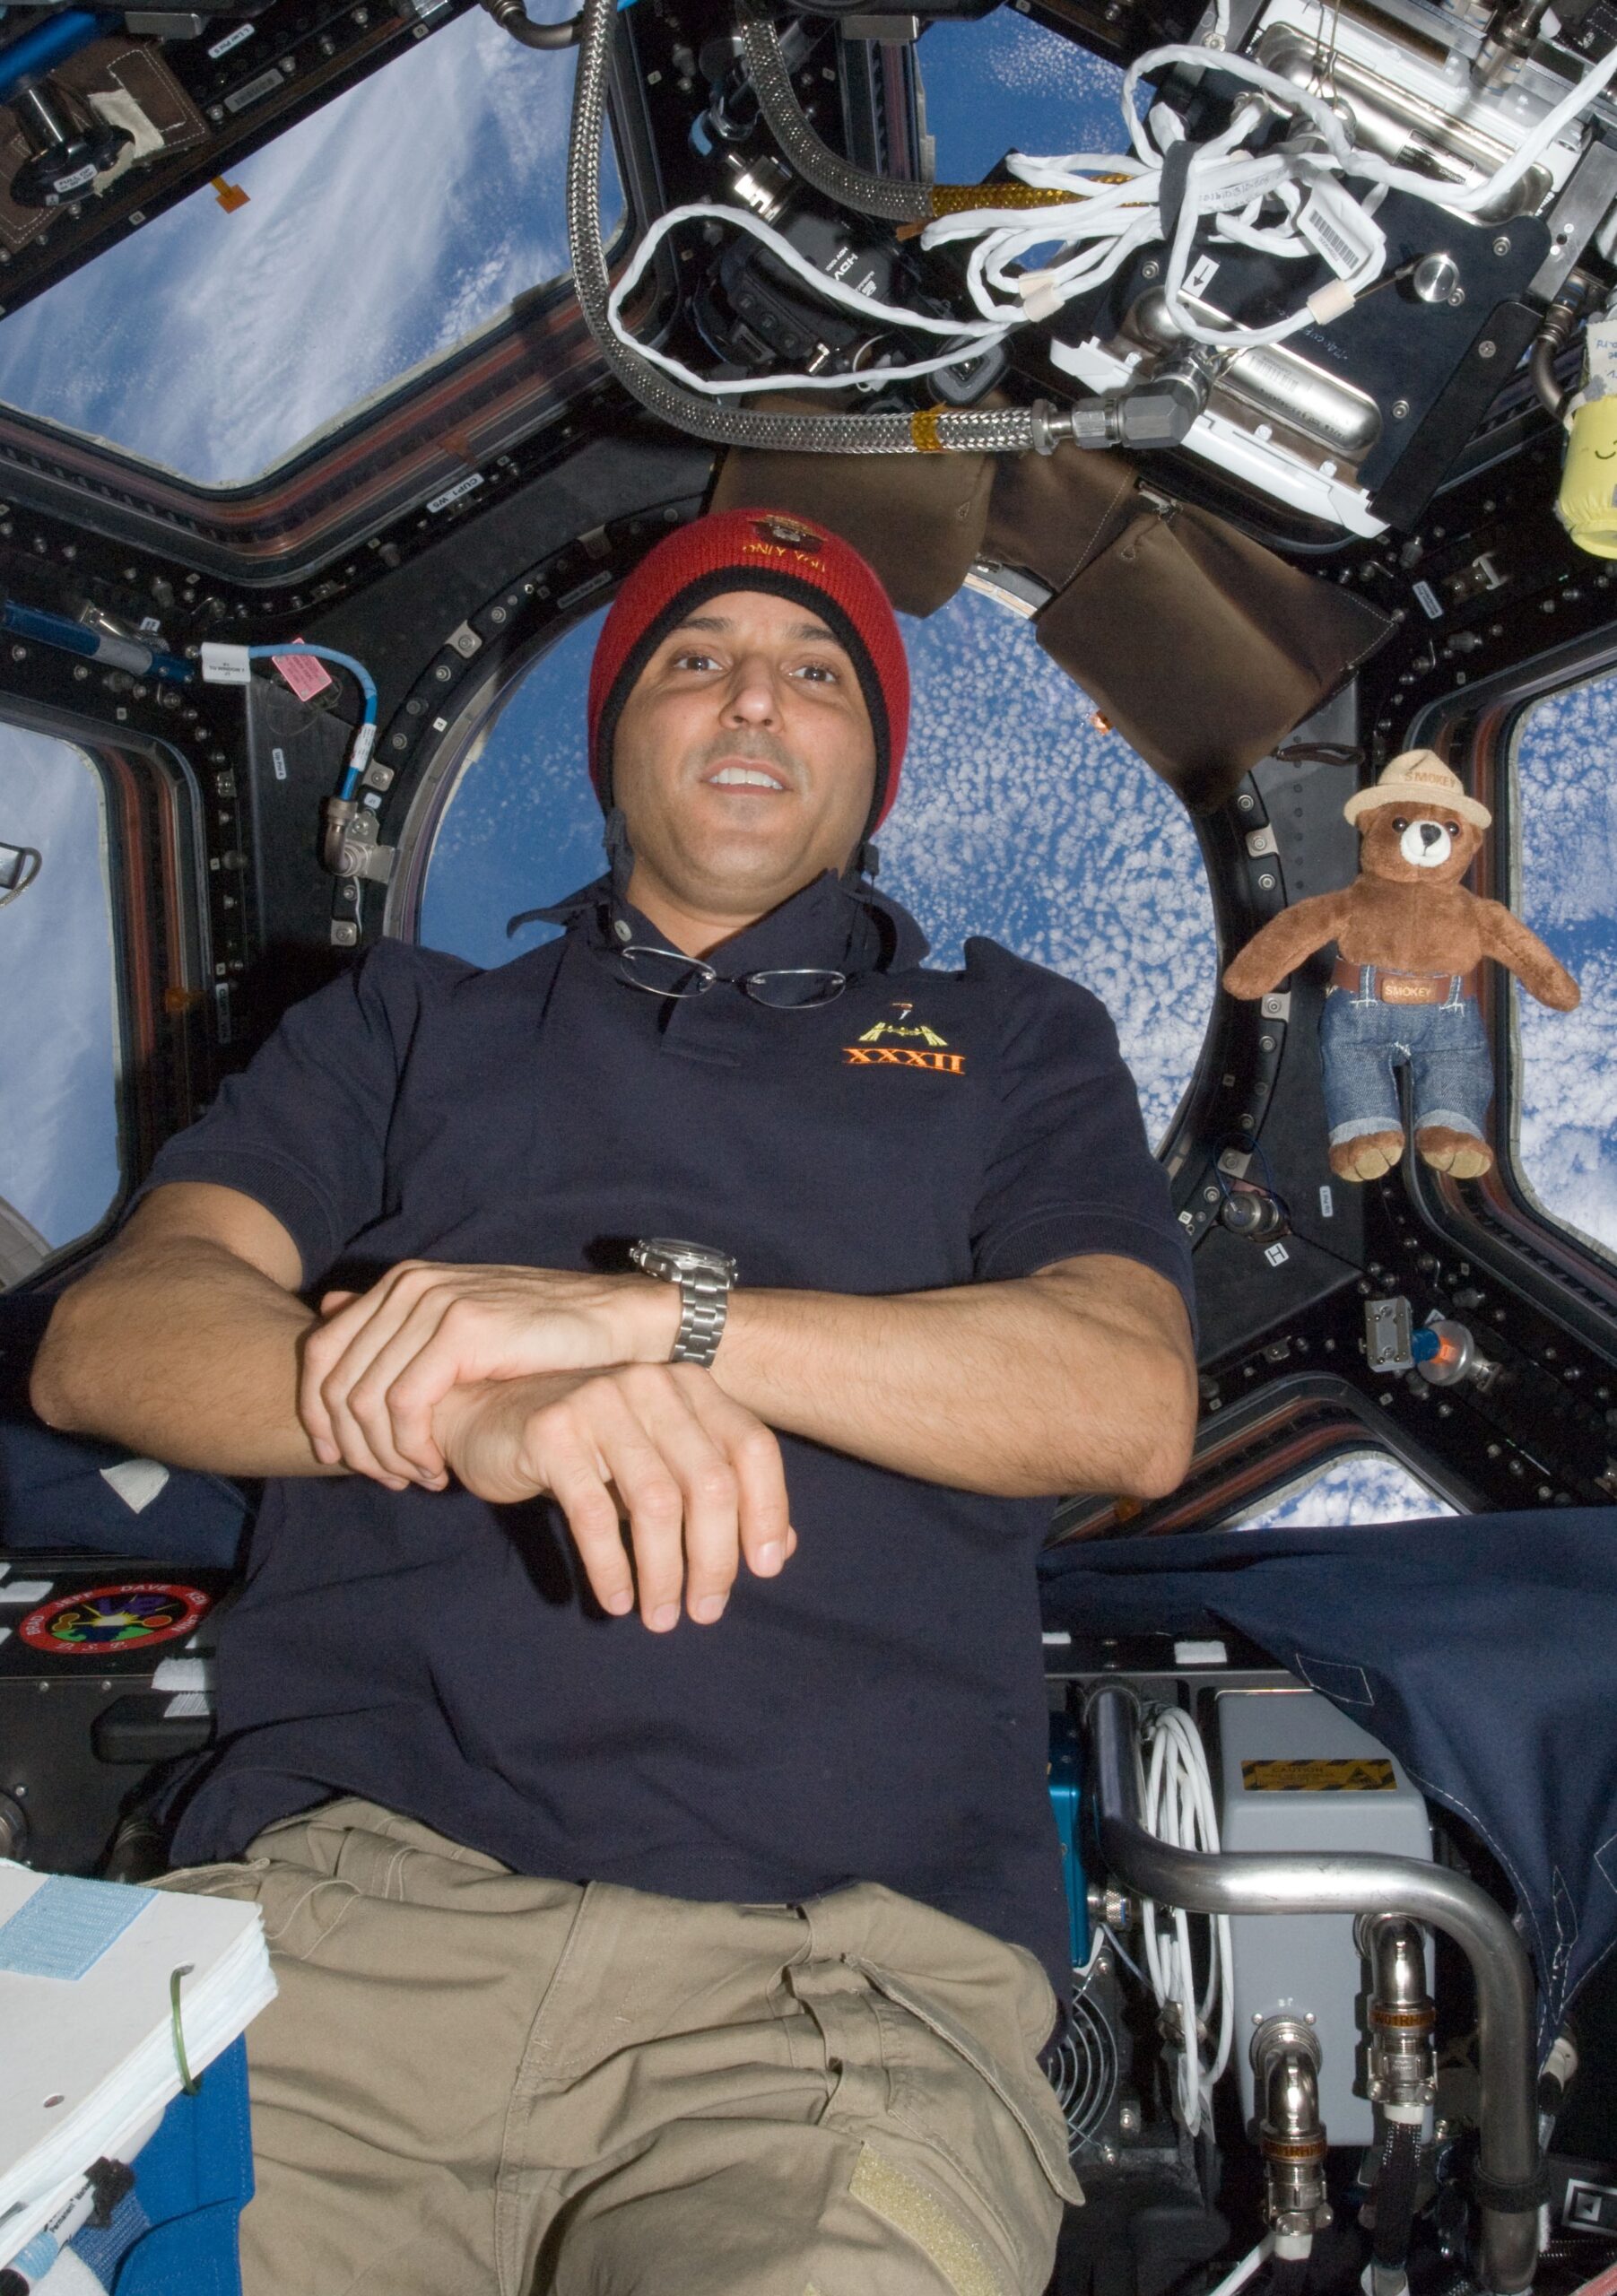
(1445, 1047)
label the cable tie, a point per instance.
(1170, 186)
(1331, 301)
(1041, 297)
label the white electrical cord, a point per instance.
(1290, 202)
(968, 338)
(1178, 1809)
(1243, 2272)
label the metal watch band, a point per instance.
(704, 1303)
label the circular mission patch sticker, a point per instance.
(101, 1619)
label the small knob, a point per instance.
(1435, 278)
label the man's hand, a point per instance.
(698, 1477)
(376, 1369)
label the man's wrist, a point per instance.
(453, 1410)
(658, 1307)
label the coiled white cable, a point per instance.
(1178, 1809)
(1122, 216)
(968, 338)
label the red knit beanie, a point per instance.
(754, 550)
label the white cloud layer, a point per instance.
(1020, 819)
(1365, 1487)
(1005, 84)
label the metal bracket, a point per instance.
(1586, 196)
(1388, 1331)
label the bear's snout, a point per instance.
(1424, 845)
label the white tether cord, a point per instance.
(1248, 2265)
(1180, 1810)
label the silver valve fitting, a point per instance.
(349, 846)
(1286, 2059)
(1403, 2018)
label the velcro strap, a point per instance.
(1510, 2199)
(1170, 186)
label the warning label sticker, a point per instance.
(1339, 1774)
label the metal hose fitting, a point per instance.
(1285, 2057)
(893, 197)
(511, 16)
(1402, 2019)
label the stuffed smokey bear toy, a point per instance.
(1410, 941)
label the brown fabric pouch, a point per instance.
(131, 69)
(917, 518)
(1203, 648)
(1051, 513)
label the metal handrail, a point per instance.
(1248, 1882)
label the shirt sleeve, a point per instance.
(1070, 1171)
(303, 1128)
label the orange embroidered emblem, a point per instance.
(919, 1046)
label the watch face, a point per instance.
(682, 1258)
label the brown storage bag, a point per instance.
(1203, 648)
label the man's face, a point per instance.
(744, 761)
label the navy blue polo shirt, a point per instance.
(877, 1712)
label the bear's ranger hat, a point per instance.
(1418, 777)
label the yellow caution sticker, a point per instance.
(1341, 1774)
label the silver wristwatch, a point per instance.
(705, 1278)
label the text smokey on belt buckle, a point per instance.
(1413, 987)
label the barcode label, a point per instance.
(1431, 606)
(1340, 232)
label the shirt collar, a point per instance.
(838, 921)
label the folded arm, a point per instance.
(188, 1343)
(183, 1341)
(1079, 1378)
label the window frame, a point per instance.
(1500, 1220)
(154, 877)
(377, 460)
(477, 709)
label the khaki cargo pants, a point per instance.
(472, 2081)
